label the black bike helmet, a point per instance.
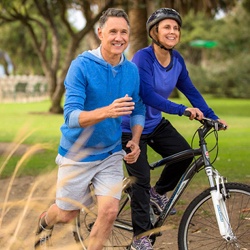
(159, 15)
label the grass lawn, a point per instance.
(31, 120)
(234, 144)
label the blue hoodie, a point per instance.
(93, 83)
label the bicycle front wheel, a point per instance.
(199, 229)
(122, 232)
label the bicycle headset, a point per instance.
(156, 17)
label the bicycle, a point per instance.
(218, 218)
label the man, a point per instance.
(101, 87)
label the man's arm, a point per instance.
(119, 107)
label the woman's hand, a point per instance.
(195, 114)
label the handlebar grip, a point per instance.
(187, 113)
(213, 122)
(222, 126)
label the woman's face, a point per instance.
(168, 33)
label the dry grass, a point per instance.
(23, 199)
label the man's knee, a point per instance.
(109, 213)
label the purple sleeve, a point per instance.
(150, 97)
(186, 86)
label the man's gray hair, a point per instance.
(112, 12)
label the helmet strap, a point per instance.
(153, 34)
(160, 45)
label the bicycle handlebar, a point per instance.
(208, 124)
(217, 125)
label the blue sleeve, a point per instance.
(186, 86)
(75, 94)
(150, 97)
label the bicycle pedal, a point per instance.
(76, 237)
(157, 234)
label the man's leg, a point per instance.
(107, 212)
(47, 221)
(56, 215)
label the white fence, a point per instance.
(23, 88)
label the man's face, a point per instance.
(114, 36)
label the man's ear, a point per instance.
(99, 33)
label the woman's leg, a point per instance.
(166, 141)
(140, 189)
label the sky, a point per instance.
(76, 18)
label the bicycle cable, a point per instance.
(216, 146)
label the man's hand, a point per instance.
(132, 156)
(120, 107)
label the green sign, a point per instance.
(203, 44)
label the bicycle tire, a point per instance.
(122, 231)
(198, 227)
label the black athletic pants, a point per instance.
(165, 140)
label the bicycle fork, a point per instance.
(219, 196)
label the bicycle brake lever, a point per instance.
(216, 126)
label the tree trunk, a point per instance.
(56, 107)
(138, 18)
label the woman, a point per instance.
(161, 69)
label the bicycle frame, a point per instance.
(214, 178)
(197, 226)
(181, 186)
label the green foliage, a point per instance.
(221, 71)
(18, 42)
(18, 45)
(233, 33)
(246, 5)
(195, 27)
(232, 81)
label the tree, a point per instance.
(55, 40)
(137, 12)
(18, 44)
(46, 21)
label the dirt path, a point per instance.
(26, 197)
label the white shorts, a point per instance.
(74, 179)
